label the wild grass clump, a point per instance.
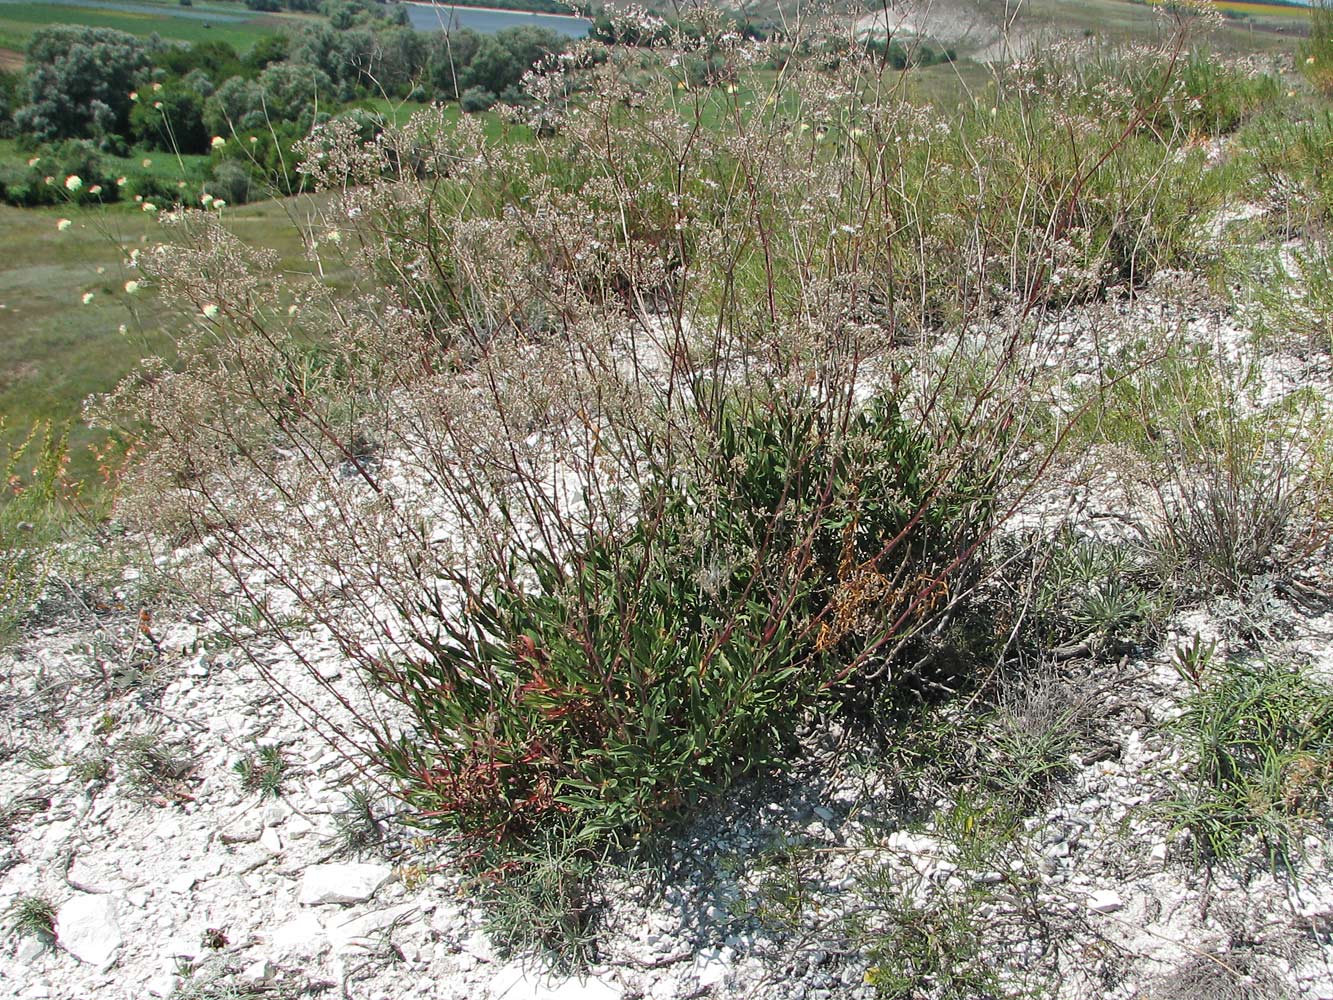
(1315, 53)
(626, 443)
(1259, 740)
(32, 515)
(155, 767)
(1240, 480)
(262, 771)
(33, 916)
(1285, 156)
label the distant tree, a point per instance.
(231, 182)
(341, 16)
(401, 55)
(503, 58)
(529, 44)
(449, 54)
(292, 91)
(79, 82)
(9, 99)
(172, 120)
(218, 59)
(268, 50)
(493, 67)
(236, 105)
(199, 82)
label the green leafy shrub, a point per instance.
(171, 119)
(475, 99)
(79, 82)
(667, 661)
(41, 179)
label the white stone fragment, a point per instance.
(87, 928)
(1105, 901)
(300, 937)
(258, 972)
(270, 840)
(342, 883)
(514, 983)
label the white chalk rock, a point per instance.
(517, 984)
(346, 883)
(258, 972)
(1105, 901)
(87, 928)
(301, 937)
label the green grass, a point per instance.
(1271, 31)
(236, 24)
(1258, 736)
(54, 350)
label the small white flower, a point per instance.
(48, 180)
(34, 161)
(254, 138)
(148, 206)
(333, 236)
(157, 105)
(210, 311)
(87, 297)
(131, 287)
(95, 189)
(291, 310)
(180, 184)
(147, 162)
(101, 270)
(63, 224)
(219, 204)
(205, 199)
(123, 329)
(218, 142)
(157, 87)
(73, 182)
(120, 182)
(134, 95)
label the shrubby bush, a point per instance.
(40, 179)
(631, 440)
(476, 99)
(231, 182)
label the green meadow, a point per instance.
(200, 22)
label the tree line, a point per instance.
(87, 91)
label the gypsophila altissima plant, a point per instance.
(626, 438)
